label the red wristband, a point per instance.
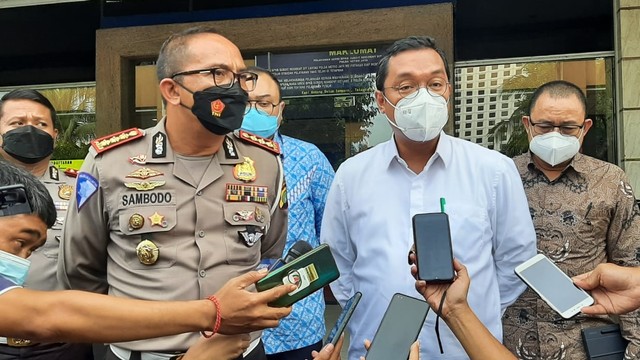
(216, 326)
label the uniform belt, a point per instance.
(15, 342)
(125, 354)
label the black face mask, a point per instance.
(27, 144)
(220, 110)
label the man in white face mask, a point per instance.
(584, 213)
(375, 194)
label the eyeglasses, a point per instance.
(261, 106)
(409, 89)
(547, 127)
(225, 78)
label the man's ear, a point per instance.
(588, 123)
(169, 91)
(281, 112)
(380, 101)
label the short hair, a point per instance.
(259, 70)
(32, 95)
(559, 89)
(174, 51)
(409, 43)
(41, 203)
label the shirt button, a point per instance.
(201, 233)
(199, 193)
(202, 273)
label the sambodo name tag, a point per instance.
(309, 272)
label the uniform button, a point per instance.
(202, 273)
(199, 193)
(201, 233)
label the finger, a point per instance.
(275, 293)
(249, 278)
(587, 281)
(596, 309)
(414, 353)
(367, 344)
(412, 257)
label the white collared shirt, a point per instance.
(367, 223)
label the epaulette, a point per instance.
(264, 143)
(105, 143)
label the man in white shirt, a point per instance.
(367, 219)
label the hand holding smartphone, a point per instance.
(400, 327)
(343, 319)
(432, 241)
(553, 286)
(309, 272)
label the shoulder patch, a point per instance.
(259, 141)
(86, 186)
(105, 143)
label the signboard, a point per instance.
(332, 72)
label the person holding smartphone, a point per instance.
(584, 213)
(26, 211)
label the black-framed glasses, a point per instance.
(264, 106)
(547, 127)
(409, 89)
(225, 78)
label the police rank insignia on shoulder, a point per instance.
(259, 141)
(110, 141)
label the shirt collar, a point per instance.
(444, 150)
(578, 163)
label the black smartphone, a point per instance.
(604, 343)
(309, 272)
(399, 328)
(343, 319)
(432, 240)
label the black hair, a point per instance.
(559, 89)
(408, 43)
(32, 95)
(41, 203)
(260, 70)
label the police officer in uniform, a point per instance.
(29, 126)
(174, 211)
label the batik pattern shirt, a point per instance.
(308, 175)
(585, 217)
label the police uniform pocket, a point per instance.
(148, 245)
(246, 224)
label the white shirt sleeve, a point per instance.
(514, 239)
(334, 232)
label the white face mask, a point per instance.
(420, 118)
(13, 268)
(555, 148)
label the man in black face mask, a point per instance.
(28, 126)
(174, 211)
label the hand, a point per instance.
(414, 351)
(329, 352)
(615, 289)
(245, 311)
(456, 292)
(219, 346)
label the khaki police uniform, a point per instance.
(42, 275)
(141, 226)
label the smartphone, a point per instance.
(432, 240)
(553, 286)
(343, 319)
(14, 200)
(604, 343)
(309, 272)
(399, 328)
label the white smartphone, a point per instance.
(553, 286)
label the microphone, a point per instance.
(300, 247)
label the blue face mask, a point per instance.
(259, 123)
(13, 268)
